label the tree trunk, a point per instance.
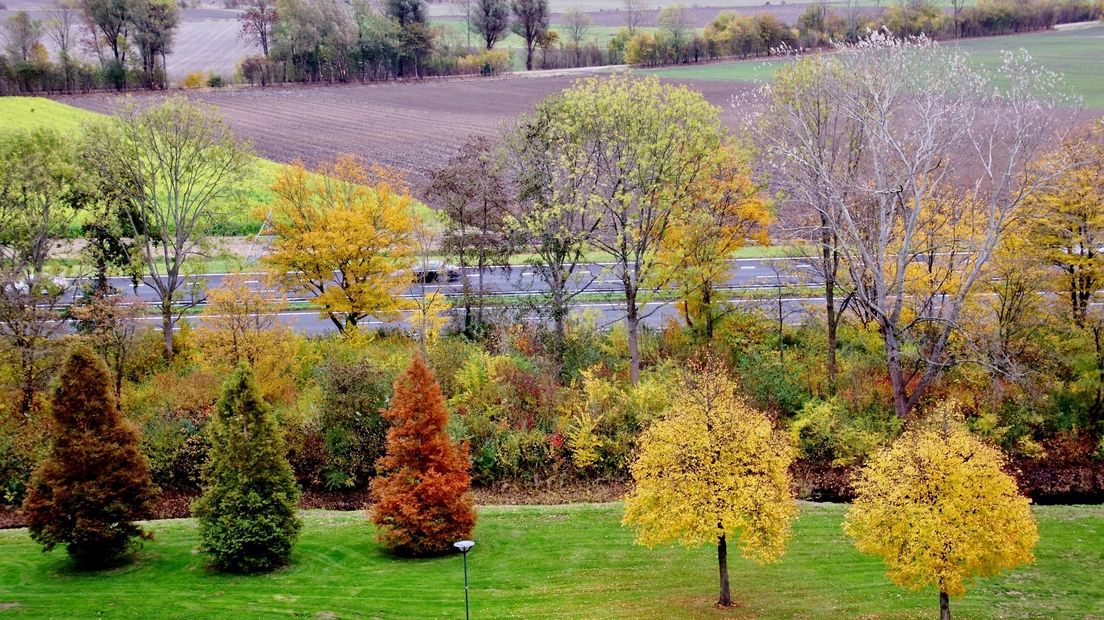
(559, 313)
(896, 379)
(725, 599)
(830, 263)
(707, 311)
(479, 314)
(27, 390)
(167, 329)
(944, 606)
(833, 324)
(633, 324)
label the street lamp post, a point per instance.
(465, 546)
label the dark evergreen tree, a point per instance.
(96, 482)
(247, 520)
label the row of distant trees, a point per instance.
(128, 40)
(335, 41)
(820, 25)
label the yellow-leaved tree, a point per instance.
(725, 211)
(939, 509)
(241, 324)
(713, 469)
(345, 235)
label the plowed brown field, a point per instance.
(412, 127)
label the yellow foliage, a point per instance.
(240, 325)
(939, 509)
(725, 210)
(1067, 220)
(195, 79)
(712, 466)
(344, 236)
(486, 62)
(583, 440)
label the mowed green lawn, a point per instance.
(1076, 53)
(544, 562)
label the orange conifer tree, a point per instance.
(422, 500)
(96, 482)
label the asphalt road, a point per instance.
(520, 281)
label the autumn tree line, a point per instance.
(121, 44)
(736, 35)
(987, 296)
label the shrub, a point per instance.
(486, 62)
(215, 81)
(423, 503)
(195, 79)
(247, 520)
(95, 482)
(172, 408)
(354, 394)
(255, 70)
(826, 432)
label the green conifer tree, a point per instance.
(247, 520)
(96, 482)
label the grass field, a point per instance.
(27, 113)
(1074, 52)
(545, 562)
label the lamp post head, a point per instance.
(464, 546)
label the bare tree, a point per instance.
(578, 24)
(635, 11)
(814, 150)
(472, 194)
(59, 26)
(933, 164)
(257, 22)
(183, 165)
(22, 34)
(112, 325)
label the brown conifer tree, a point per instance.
(423, 501)
(96, 482)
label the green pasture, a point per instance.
(1074, 52)
(544, 562)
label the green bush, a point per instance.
(215, 81)
(172, 408)
(354, 392)
(247, 520)
(826, 432)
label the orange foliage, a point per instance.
(423, 500)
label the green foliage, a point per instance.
(172, 407)
(558, 562)
(247, 519)
(827, 432)
(95, 483)
(505, 410)
(354, 393)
